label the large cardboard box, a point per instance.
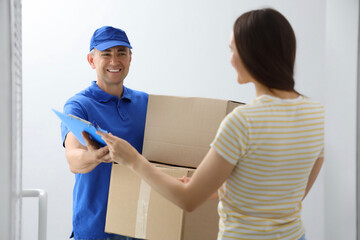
(178, 133)
(135, 210)
(179, 130)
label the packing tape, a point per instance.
(142, 210)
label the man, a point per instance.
(113, 107)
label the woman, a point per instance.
(266, 154)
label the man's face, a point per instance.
(111, 65)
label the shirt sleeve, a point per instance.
(73, 108)
(231, 140)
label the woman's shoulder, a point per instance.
(308, 100)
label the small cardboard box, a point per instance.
(135, 210)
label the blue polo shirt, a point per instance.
(125, 118)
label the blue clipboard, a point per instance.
(77, 125)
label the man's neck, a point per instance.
(112, 89)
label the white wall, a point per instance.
(340, 98)
(180, 48)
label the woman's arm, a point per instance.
(185, 179)
(208, 177)
(313, 174)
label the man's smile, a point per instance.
(114, 70)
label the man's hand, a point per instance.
(83, 159)
(98, 154)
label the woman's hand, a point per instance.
(120, 150)
(184, 179)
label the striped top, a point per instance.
(273, 144)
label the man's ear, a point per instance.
(90, 59)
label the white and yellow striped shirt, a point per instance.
(273, 144)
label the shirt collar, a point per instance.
(102, 96)
(126, 93)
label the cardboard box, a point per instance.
(179, 130)
(135, 210)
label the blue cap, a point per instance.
(107, 37)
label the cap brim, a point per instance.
(110, 44)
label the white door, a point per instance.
(10, 119)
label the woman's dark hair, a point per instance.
(266, 44)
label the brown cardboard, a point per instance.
(135, 210)
(179, 130)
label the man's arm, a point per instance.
(313, 174)
(83, 159)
